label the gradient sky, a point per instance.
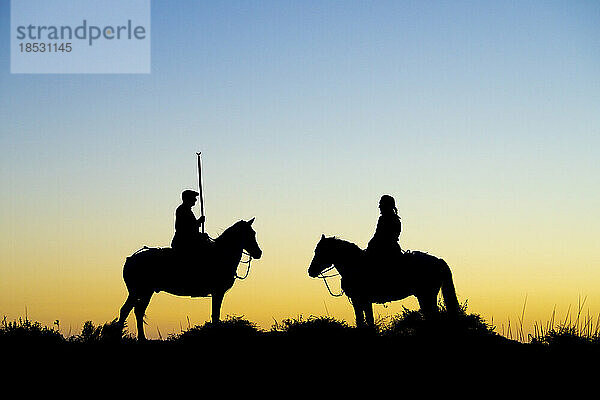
(482, 119)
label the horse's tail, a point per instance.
(448, 291)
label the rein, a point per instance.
(324, 277)
(249, 261)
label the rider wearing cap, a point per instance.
(384, 243)
(187, 237)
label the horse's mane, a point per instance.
(344, 244)
(233, 229)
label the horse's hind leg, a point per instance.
(126, 309)
(140, 310)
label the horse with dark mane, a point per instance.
(153, 270)
(366, 282)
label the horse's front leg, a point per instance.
(217, 300)
(358, 312)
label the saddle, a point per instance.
(183, 255)
(385, 256)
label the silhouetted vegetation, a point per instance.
(231, 327)
(413, 323)
(409, 326)
(26, 330)
(313, 328)
(566, 337)
(109, 332)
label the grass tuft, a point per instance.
(464, 326)
(107, 333)
(232, 327)
(22, 330)
(311, 326)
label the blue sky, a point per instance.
(382, 90)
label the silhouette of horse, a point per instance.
(161, 269)
(366, 282)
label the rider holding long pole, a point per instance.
(187, 238)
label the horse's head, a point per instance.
(322, 258)
(249, 239)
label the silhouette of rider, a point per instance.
(187, 237)
(384, 243)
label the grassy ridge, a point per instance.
(296, 350)
(406, 327)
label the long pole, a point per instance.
(200, 187)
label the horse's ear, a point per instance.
(251, 221)
(322, 236)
